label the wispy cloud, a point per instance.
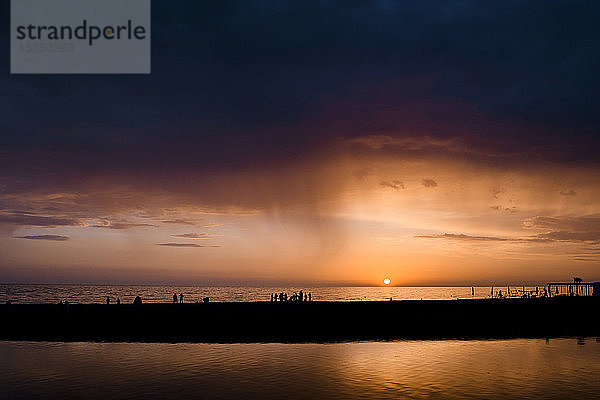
(570, 192)
(121, 224)
(378, 142)
(460, 236)
(569, 224)
(564, 236)
(497, 191)
(57, 238)
(395, 184)
(430, 183)
(362, 173)
(184, 245)
(556, 229)
(195, 236)
(177, 221)
(30, 219)
(581, 247)
(512, 209)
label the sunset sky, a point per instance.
(333, 142)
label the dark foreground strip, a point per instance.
(304, 322)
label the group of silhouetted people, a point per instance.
(118, 300)
(176, 299)
(283, 297)
(136, 300)
(520, 293)
(204, 299)
(180, 298)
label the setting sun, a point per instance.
(387, 281)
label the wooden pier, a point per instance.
(552, 289)
(575, 288)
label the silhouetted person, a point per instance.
(118, 301)
(309, 297)
(181, 298)
(174, 297)
(305, 297)
(67, 303)
(137, 301)
(205, 300)
(285, 297)
(271, 296)
(107, 300)
(472, 291)
(281, 296)
(301, 295)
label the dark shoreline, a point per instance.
(304, 321)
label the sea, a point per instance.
(565, 368)
(86, 294)
(554, 368)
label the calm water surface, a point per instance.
(505, 369)
(160, 294)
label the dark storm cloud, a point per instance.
(58, 238)
(255, 85)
